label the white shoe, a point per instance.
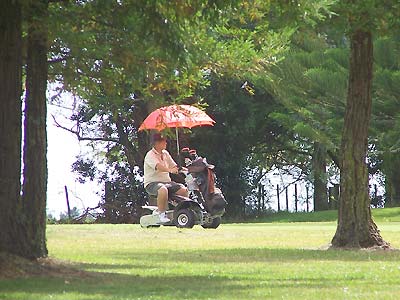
(163, 218)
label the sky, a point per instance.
(63, 147)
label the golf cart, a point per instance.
(205, 204)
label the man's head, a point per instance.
(159, 141)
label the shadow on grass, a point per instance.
(111, 267)
(246, 255)
(121, 286)
(103, 280)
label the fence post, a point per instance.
(307, 205)
(287, 199)
(263, 197)
(107, 199)
(295, 197)
(277, 194)
(67, 199)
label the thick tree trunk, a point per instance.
(10, 123)
(392, 180)
(355, 225)
(35, 137)
(320, 178)
(392, 187)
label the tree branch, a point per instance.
(57, 1)
(299, 178)
(59, 59)
(84, 138)
(260, 176)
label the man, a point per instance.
(158, 163)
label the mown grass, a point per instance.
(379, 215)
(236, 261)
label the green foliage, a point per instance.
(370, 15)
(311, 82)
(64, 217)
(385, 124)
(85, 169)
(124, 195)
(119, 50)
(245, 142)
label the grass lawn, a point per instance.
(380, 215)
(236, 261)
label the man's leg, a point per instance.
(162, 199)
(162, 203)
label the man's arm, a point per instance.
(161, 168)
(170, 161)
(172, 164)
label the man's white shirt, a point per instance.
(153, 158)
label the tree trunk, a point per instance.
(320, 178)
(392, 193)
(10, 123)
(35, 138)
(134, 157)
(334, 193)
(391, 171)
(355, 225)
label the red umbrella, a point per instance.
(176, 116)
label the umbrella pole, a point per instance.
(177, 140)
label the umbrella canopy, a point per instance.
(176, 116)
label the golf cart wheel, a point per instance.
(214, 224)
(184, 218)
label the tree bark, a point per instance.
(391, 171)
(35, 136)
(134, 157)
(355, 227)
(320, 178)
(10, 123)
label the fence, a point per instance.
(295, 197)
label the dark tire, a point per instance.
(214, 224)
(184, 218)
